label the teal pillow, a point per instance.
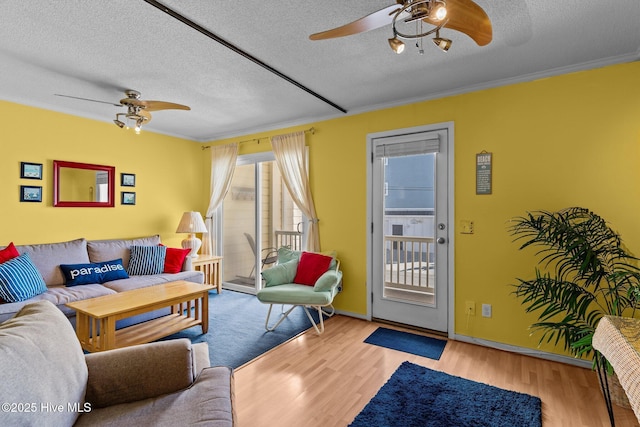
(146, 260)
(327, 281)
(286, 255)
(280, 274)
(20, 279)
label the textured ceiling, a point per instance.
(97, 49)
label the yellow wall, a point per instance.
(556, 142)
(169, 178)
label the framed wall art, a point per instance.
(127, 180)
(30, 170)
(483, 172)
(128, 198)
(30, 193)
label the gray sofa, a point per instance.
(48, 381)
(47, 258)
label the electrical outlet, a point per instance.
(486, 310)
(466, 226)
(470, 308)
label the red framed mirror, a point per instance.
(83, 185)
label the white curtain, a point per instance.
(223, 164)
(289, 151)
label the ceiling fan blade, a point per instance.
(370, 22)
(469, 18)
(161, 105)
(87, 99)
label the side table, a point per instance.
(210, 266)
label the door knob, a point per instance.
(441, 240)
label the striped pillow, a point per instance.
(146, 260)
(20, 280)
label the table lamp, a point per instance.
(192, 223)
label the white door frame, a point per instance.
(451, 223)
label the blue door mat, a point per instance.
(407, 342)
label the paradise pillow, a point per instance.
(280, 274)
(310, 267)
(174, 259)
(98, 272)
(147, 260)
(10, 252)
(20, 279)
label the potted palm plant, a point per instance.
(583, 273)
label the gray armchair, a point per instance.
(164, 383)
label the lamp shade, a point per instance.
(191, 222)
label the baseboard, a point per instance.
(500, 346)
(525, 351)
(350, 314)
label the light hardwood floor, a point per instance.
(326, 380)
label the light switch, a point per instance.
(486, 310)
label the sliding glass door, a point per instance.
(239, 219)
(258, 216)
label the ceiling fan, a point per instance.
(138, 110)
(464, 16)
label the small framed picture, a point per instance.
(30, 170)
(128, 198)
(29, 193)
(127, 180)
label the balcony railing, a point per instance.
(409, 264)
(290, 239)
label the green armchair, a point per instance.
(302, 279)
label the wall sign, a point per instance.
(483, 173)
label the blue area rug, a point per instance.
(417, 396)
(236, 328)
(407, 342)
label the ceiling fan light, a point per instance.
(442, 43)
(439, 12)
(396, 45)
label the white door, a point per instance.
(410, 231)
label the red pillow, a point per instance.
(174, 259)
(310, 267)
(10, 252)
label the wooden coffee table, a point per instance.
(96, 317)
